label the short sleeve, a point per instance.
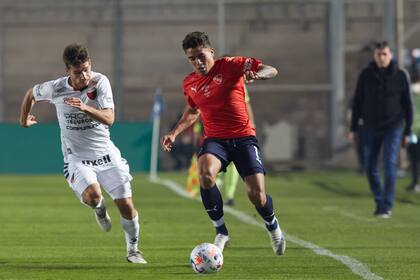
(43, 92)
(243, 64)
(104, 89)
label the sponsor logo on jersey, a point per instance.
(75, 115)
(92, 94)
(218, 79)
(194, 89)
(91, 126)
(75, 121)
(97, 162)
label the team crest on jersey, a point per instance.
(92, 94)
(218, 79)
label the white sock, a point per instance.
(219, 222)
(101, 203)
(131, 231)
(100, 208)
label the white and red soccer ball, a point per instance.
(206, 258)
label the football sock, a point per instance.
(100, 208)
(272, 225)
(101, 203)
(131, 231)
(213, 203)
(267, 213)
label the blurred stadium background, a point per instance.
(319, 46)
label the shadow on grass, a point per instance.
(340, 190)
(91, 267)
(406, 200)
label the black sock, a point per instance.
(213, 203)
(267, 213)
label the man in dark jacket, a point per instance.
(382, 113)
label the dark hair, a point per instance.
(195, 39)
(380, 45)
(75, 55)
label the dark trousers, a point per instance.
(413, 149)
(373, 141)
(361, 152)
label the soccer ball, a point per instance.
(206, 258)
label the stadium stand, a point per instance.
(290, 35)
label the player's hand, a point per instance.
(251, 76)
(167, 142)
(30, 121)
(353, 137)
(76, 103)
(405, 141)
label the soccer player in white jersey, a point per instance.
(85, 110)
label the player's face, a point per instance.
(201, 59)
(80, 75)
(383, 57)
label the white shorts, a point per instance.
(110, 171)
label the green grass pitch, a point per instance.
(45, 233)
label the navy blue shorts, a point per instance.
(244, 152)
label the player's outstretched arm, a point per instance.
(189, 116)
(264, 72)
(26, 119)
(105, 116)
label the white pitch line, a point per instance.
(354, 265)
(352, 216)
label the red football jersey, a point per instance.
(220, 96)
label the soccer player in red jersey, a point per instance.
(215, 90)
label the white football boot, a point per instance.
(103, 219)
(278, 242)
(221, 241)
(135, 256)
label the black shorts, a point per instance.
(244, 152)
